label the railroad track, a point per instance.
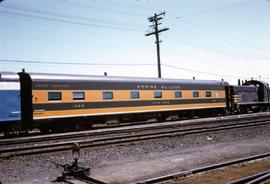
(182, 124)
(36, 134)
(61, 142)
(252, 179)
(256, 178)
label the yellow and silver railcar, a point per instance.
(75, 100)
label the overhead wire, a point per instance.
(202, 72)
(70, 21)
(219, 41)
(214, 9)
(65, 16)
(83, 5)
(220, 36)
(121, 64)
(220, 49)
(67, 34)
(74, 63)
(86, 24)
(126, 3)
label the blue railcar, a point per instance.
(10, 102)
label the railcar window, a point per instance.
(196, 94)
(53, 96)
(78, 96)
(178, 94)
(208, 94)
(134, 94)
(107, 95)
(158, 94)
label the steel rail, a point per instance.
(164, 132)
(260, 179)
(61, 146)
(250, 178)
(35, 139)
(5, 140)
(173, 124)
(208, 168)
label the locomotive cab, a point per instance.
(243, 98)
(263, 89)
(263, 92)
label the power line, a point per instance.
(121, 64)
(132, 5)
(220, 49)
(214, 9)
(195, 39)
(99, 8)
(218, 41)
(59, 15)
(70, 21)
(233, 41)
(219, 37)
(206, 73)
(64, 33)
(74, 63)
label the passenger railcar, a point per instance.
(84, 99)
(58, 101)
(10, 106)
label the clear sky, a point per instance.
(208, 39)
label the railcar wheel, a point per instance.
(44, 130)
(161, 117)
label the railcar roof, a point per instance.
(236, 86)
(73, 77)
(257, 82)
(9, 76)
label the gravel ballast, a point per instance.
(133, 162)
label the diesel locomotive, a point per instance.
(58, 102)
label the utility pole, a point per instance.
(155, 20)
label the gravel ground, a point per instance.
(133, 162)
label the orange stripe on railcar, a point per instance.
(123, 110)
